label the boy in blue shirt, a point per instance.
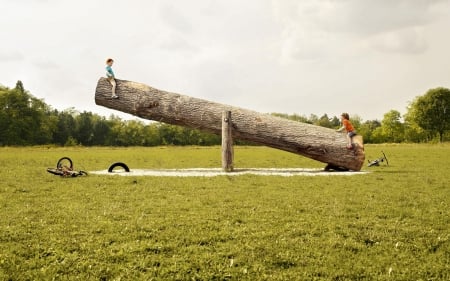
(111, 77)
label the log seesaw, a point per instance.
(315, 142)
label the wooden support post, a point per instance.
(227, 142)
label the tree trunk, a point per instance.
(319, 143)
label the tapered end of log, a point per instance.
(130, 94)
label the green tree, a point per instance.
(168, 134)
(356, 121)
(392, 127)
(24, 118)
(4, 118)
(151, 134)
(84, 131)
(367, 129)
(48, 126)
(335, 122)
(432, 111)
(378, 136)
(19, 87)
(313, 119)
(116, 125)
(206, 138)
(132, 133)
(65, 127)
(324, 121)
(101, 130)
(414, 133)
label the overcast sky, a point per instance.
(364, 57)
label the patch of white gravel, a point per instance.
(213, 172)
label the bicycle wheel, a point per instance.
(65, 162)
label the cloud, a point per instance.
(10, 56)
(362, 17)
(173, 42)
(406, 41)
(176, 20)
(317, 29)
(45, 64)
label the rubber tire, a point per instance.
(118, 164)
(64, 158)
(331, 167)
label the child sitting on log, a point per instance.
(111, 77)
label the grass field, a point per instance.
(390, 224)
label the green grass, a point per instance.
(391, 224)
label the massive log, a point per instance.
(319, 143)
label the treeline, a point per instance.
(26, 120)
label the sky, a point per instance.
(305, 57)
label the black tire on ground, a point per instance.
(62, 161)
(331, 167)
(118, 164)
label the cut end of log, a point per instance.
(358, 154)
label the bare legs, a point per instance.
(349, 141)
(113, 83)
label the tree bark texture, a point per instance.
(319, 143)
(227, 142)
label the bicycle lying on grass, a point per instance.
(64, 168)
(377, 162)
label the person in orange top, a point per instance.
(347, 125)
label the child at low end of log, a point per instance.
(347, 125)
(111, 77)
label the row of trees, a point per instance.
(26, 120)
